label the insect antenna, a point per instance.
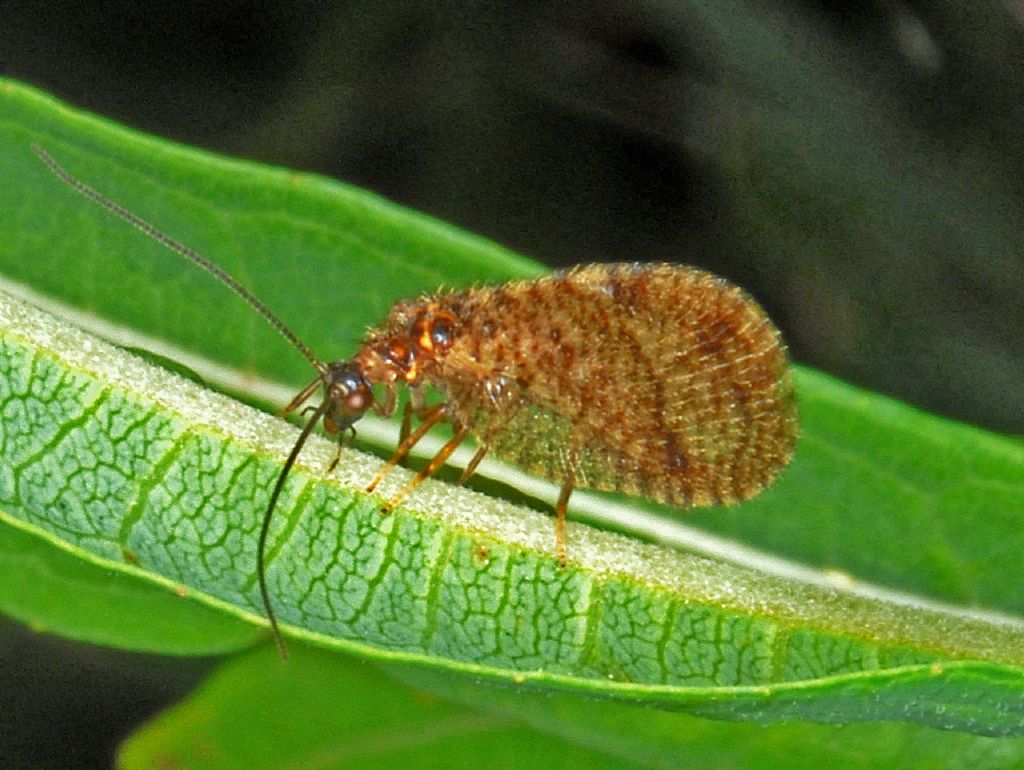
(265, 527)
(180, 249)
(217, 272)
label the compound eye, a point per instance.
(357, 401)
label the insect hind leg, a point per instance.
(560, 507)
(470, 469)
(571, 463)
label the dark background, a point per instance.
(856, 165)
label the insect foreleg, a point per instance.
(301, 398)
(438, 460)
(430, 416)
(343, 439)
(403, 432)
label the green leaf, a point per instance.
(129, 467)
(140, 469)
(55, 590)
(352, 716)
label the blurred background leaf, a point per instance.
(324, 711)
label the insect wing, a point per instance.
(656, 380)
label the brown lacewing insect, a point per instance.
(655, 380)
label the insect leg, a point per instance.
(417, 400)
(343, 440)
(471, 467)
(403, 432)
(439, 459)
(303, 395)
(415, 405)
(562, 504)
(430, 416)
